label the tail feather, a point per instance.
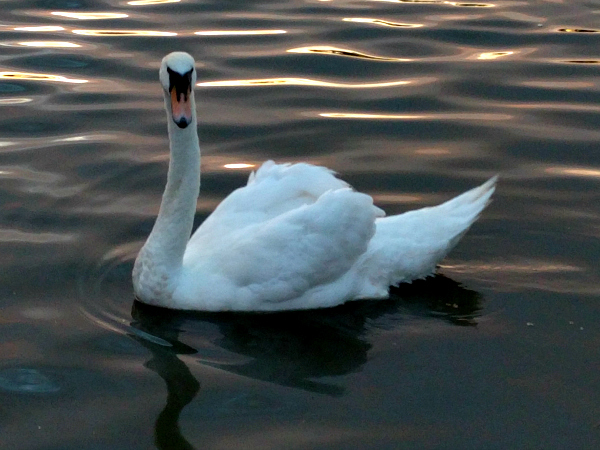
(409, 246)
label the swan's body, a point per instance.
(296, 237)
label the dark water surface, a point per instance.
(411, 102)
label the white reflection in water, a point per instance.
(51, 44)
(238, 32)
(39, 77)
(14, 101)
(89, 16)
(40, 28)
(239, 166)
(150, 2)
(429, 116)
(494, 55)
(124, 33)
(301, 82)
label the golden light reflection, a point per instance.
(39, 77)
(123, 33)
(578, 30)
(441, 116)
(238, 32)
(41, 29)
(574, 171)
(89, 16)
(300, 82)
(239, 166)
(384, 23)
(151, 2)
(342, 52)
(494, 55)
(583, 61)
(52, 44)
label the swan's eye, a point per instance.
(181, 83)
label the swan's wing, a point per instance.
(282, 258)
(409, 246)
(273, 190)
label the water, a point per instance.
(410, 101)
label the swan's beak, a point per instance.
(181, 106)
(180, 90)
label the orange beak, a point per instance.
(181, 107)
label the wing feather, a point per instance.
(281, 258)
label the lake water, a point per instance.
(412, 102)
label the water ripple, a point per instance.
(325, 49)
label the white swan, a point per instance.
(295, 237)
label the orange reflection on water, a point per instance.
(238, 32)
(51, 44)
(574, 171)
(494, 55)
(384, 23)
(41, 29)
(123, 33)
(578, 30)
(150, 2)
(583, 61)
(438, 116)
(342, 52)
(300, 82)
(89, 16)
(39, 77)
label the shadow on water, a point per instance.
(287, 348)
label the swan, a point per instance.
(295, 237)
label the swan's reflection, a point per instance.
(290, 348)
(182, 387)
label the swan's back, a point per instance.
(287, 240)
(271, 191)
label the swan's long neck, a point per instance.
(162, 254)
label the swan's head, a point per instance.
(178, 77)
